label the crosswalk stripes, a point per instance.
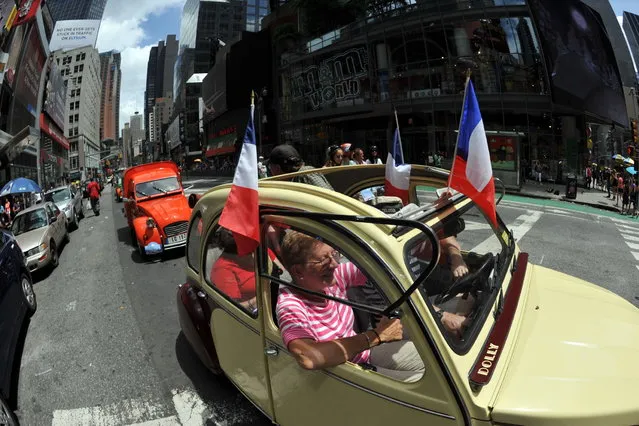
(630, 235)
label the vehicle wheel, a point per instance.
(67, 237)
(141, 251)
(7, 417)
(74, 224)
(54, 255)
(29, 295)
(82, 210)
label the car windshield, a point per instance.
(29, 221)
(58, 195)
(472, 263)
(156, 187)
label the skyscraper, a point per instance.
(631, 28)
(62, 10)
(159, 76)
(255, 11)
(111, 75)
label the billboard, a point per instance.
(28, 80)
(55, 96)
(27, 11)
(173, 134)
(580, 60)
(214, 87)
(74, 33)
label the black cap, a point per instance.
(373, 148)
(285, 155)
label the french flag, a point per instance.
(397, 180)
(241, 211)
(472, 173)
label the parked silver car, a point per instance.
(69, 200)
(40, 231)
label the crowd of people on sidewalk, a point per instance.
(10, 206)
(621, 187)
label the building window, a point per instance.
(81, 67)
(77, 104)
(71, 119)
(72, 105)
(77, 57)
(72, 95)
(80, 80)
(83, 56)
(75, 69)
(77, 92)
(75, 131)
(77, 118)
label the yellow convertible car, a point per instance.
(356, 309)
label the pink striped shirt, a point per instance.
(301, 318)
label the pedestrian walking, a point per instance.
(613, 185)
(588, 177)
(625, 203)
(619, 187)
(606, 180)
(538, 171)
(634, 197)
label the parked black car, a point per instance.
(17, 304)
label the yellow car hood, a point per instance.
(576, 357)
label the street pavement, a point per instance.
(105, 346)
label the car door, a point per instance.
(54, 223)
(9, 293)
(230, 282)
(350, 392)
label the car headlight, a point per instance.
(42, 247)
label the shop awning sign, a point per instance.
(51, 131)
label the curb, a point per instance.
(563, 198)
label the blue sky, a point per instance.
(134, 26)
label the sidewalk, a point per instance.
(589, 197)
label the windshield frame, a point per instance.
(140, 197)
(452, 211)
(22, 218)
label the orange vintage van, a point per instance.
(155, 207)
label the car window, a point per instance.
(58, 196)
(345, 302)
(156, 187)
(29, 221)
(231, 274)
(194, 242)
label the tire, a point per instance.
(53, 250)
(67, 237)
(29, 294)
(74, 224)
(82, 210)
(141, 251)
(7, 416)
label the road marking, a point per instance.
(634, 228)
(519, 228)
(187, 404)
(542, 259)
(633, 246)
(127, 412)
(636, 255)
(71, 306)
(44, 372)
(630, 237)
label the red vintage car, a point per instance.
(155, 207)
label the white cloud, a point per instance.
(122, 30)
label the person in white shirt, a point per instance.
(358, 157)
(374, 157)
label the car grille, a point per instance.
(176, 228)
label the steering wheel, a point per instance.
(468, 281)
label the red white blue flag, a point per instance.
(241, 212)
(472, 172)
(397, 180)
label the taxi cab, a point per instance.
(538, 346)
(155, 207)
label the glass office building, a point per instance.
(255, 11)
(62, 10)
(544, 72)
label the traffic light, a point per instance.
(630, 151)
(635, 132)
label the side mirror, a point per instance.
(193, 199)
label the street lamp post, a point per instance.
(261, 95)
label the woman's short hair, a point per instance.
(296, 248)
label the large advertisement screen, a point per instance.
(55, 96)
(214, 88)
(74, 33)
(28, 81)
(580, 60)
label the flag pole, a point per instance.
(399, 136)
(461, 117)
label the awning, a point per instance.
(222, 145)
(50, 130)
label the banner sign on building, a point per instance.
(52, 132)
(336, 78)
(74, 33)
(28, 81)
(55, 96)
(27, 11)
(173, 134)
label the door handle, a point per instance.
(271, 351)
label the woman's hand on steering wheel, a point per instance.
(454, 323)
(458, 267)
(390, 330)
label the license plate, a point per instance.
(176, 239)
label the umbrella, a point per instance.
(631, 170)
(629, 161)
(20, 186)
(617, 157)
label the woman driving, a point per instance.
(319, 332)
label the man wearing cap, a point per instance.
(286, 159)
